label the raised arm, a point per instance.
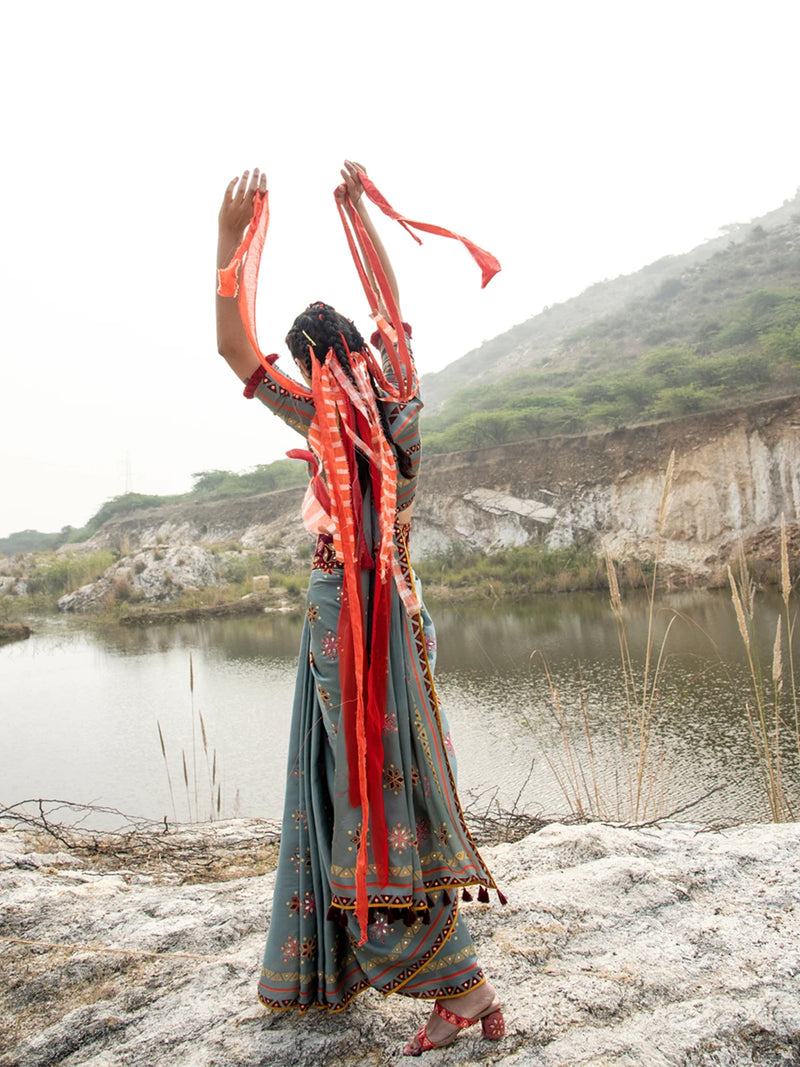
(350, 172)
(234, 218)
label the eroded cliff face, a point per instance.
(735, 473)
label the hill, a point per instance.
(209, 487)
(716, 327)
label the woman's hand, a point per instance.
(237, 204)
(234, 217)
(351, 172)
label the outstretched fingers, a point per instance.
(237, 204)
(351, 172)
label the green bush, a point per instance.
(515, 572)
(56, 575)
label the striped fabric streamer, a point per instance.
(363, 399)
(351, 625)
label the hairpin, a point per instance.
(310, 340)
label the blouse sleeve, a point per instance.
(377, 342)
(295, 409)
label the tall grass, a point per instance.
(190, 769)
(53, 575)
(513, 573)
(772, 709)
(637, 788)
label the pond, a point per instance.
(82, 707)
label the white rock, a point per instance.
(617, 947)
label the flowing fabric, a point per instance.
(417, 944)
(374, 847)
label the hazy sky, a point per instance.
(576, 141)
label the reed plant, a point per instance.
(636, 788)
(190, 768)
(772, 708)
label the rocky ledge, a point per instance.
(654, 946)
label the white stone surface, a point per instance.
(632, 948)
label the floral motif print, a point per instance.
(330, 645)
(312, 613)
(355, 838)
(393, 779)
(442, 834)
(415, 779)
(300, 818)
(324, 695)
(309, 948)
(378, 929)
(297, 862)
(309, 905)
(294, 904)
(423, 830)
(290, 949)
(448, 744)
(400, 838)
(430, 644)
(390, 724)
(325, 555)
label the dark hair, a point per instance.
(320, 328)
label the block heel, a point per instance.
(493, 1025)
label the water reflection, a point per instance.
(80, 706)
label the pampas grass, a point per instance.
(190, 776)
(772, 707)
(639, 787)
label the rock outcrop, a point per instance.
(735, 474)
(658, 946)
(150, 574)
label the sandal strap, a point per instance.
(424, 1042)
(451, 1017)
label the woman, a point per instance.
(374, 846)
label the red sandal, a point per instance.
(492, 1023)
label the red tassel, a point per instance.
(466, 896)
(502, 897)
(483, 895)
(445, 897)
(409, 918)
(333, 914)
(426, 917)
